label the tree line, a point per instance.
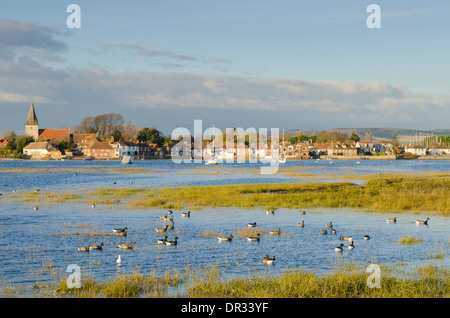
(110, 125)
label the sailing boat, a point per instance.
(126, 159)
(212, 160)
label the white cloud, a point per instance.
(74, 93)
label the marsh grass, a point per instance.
(135, 284)
(46, 197)
(210, 233)
(410, 240)
(246, 232)
(381, 193)
(81, 229)
(348, 283)
(85, 233)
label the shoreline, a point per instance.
(356, 158)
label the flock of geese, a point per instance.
(330, 225)
(123, 232)
(266, 260)
(168, 217)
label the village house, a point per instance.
(417, 150)
(159, 152)
(167, 149)
(128, 148)
(302, 150)
(342, 149)
(41, 150)
(289, 150)
(232, 151)
(320, 149)
(144, 151)
(384, 147)
(153, 150)
(365, 147)
(334, 149)
(82, 141)
(163, 152)
(439, 150)
(101, 150)
(3, 142)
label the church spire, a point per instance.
(31, 119)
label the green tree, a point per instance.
(117, 135)
(150, 135)
(62, 146)
(354, 136)
(22, 142)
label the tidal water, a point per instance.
(37, 246)
(61, 175)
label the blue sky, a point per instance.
(287, 64)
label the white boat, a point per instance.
(126, 159)
(211, 161)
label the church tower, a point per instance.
(32, 125)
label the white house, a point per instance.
(417, 150)
(128, 148)
(439, 150)
(41, 149)
(365, 146)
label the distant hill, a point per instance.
(378, 133)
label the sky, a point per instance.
(287, 64)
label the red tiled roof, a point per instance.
(322, 146)
(54, 134)
(99, 145)
(3, 141)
